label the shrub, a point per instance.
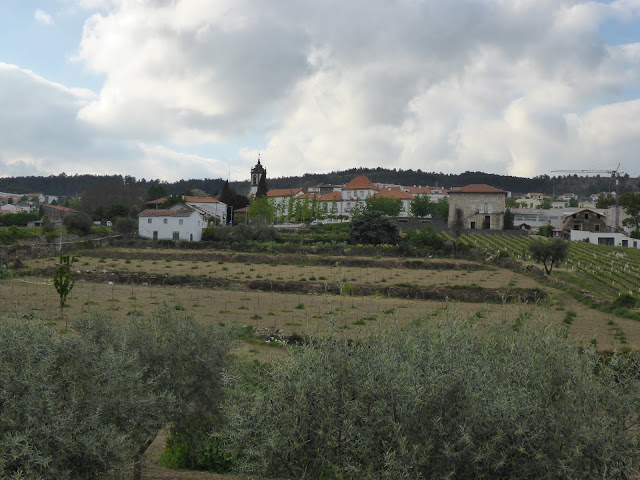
(625, 300)
(126, 225)
(100, 230)
(438, 401)
(545, 230)
(429, 237)
(79, 222)
(258, 232)
(12, 234)
(209, 234)
(372, 228)
(18, 219)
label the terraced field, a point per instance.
(306, 294)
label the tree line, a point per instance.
(74, 185)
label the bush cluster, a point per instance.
(13, 234)
(439, 402)
(255, 232)
(427, 238)
(78, 405)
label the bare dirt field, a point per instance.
(297, 313)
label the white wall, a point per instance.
(191, 225)
(594, 237)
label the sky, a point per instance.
(173, 89)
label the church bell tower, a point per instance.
(257, 173)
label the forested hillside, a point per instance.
(74, 185)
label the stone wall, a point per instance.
(42, 249)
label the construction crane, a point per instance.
(614, 174)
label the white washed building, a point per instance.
(180, 222)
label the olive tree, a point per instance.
(77, 405)
(186, 358)
(551, 253)
(64, 400)
(439, 401)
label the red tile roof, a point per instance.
(361, 182)
(310, 196)
(330, 197)
(418, 190)
(62, 209)
(394, 193)
(284, 192)
(477, 188)
(585, 210)
(166, 213)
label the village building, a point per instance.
(586, 220)
(180, 222)
(434, 193)
(211, 208)
(604, 238)
(482, 206)
(404, 197)
(332, 204)
(56, 213)
(10, 208)
(531, 200)
(356, 192)
(567, 197)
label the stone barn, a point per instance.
(482, 206)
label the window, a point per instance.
(489, 208)
(165, 221)
(597, 228)
(473, 225)
(181, 222)
(586, 216)
(148, 220)
(473, 208)
(481, 208)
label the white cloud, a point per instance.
(497, 85)
(43, 17)
(41, 134)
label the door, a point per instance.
(155, 235)
(487, 222)
(176, 236)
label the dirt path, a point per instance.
(152, 471)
